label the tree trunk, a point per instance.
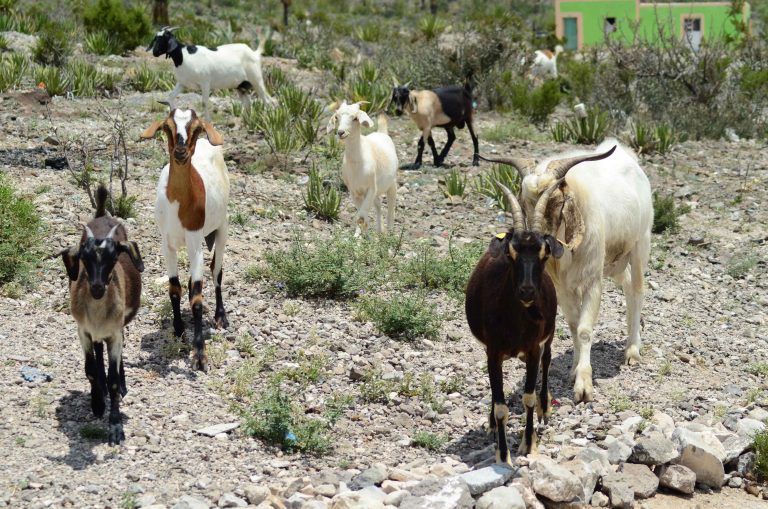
(286, 6)
(160, 13)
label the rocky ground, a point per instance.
(693, 401)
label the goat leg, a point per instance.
(476, 155)
(544, 403)
(528, 443)
(198, 356)
(443, 153)
(435, 156)
(417, 163)
(99, 383)
(220, 317)
(174, 292)
(500, 411)
(116, 434)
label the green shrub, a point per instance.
(12, 70)
(370, 32)
(129, 26)
(665, 213)
(740, 264)
(488, 184)
(560, 133)
(403, 317)
(53, 46)
(145, 78)
(643, 139)
(581, 77)
(20, 229)
(55, 79)
(324, 201)
(100, 43)
(454, 184)
(450, 272)
(538, 103)
(3, 43)
(84, 79)
(431, 27)
(590, 130)
(760, 445)
(429, 441)
(367, 85)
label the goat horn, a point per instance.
(394, 81)
(407, 85)
(523, 166)
(171, 29)
(560, 167)
(518, 220)
(112, 231)
(166, 103)
(88, 232)
(541, 207)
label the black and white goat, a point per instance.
(232, 66)
(105, 293)
(511, 307)
(446, 107)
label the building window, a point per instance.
(609, 26)
(693, 25)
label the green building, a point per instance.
(586, 22)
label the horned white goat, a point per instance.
(544, 63)
(209, 69)
(602, 211)
(192, 198)
(369, 166)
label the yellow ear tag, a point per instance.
(562, 243)
(500, 236)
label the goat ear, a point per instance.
(562, 208)
(132, 249)
(413, 103)
(71, 258)
(213, 135)
(331, 124)
(172, 45)
(554, 246)
(150, 131)
(364, 119)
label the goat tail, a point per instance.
(262, 44)
(101, 200)
(382, 125)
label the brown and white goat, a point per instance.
(446, 107)
(511, 307)
(191, 206)
(105, 292)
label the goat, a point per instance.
(446, 107)
(369, 166)
(210, 69)
(603, 211)
(105, 294)
(511, 307)
(544, 63)
(192, 198)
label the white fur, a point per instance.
(543, 65)
(614, 197)
(208, 160)
(227, 67)
(369, 166)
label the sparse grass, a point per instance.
(309, 370)
(719, 412)
(758, 368)
(145, 78)
(590, 130)
(20, 230)
(173, 347)
(664, 370)
(291, 307)
(740, 264)
(665, 213)
(429, 441)
(454, 184)
(322, 200)
(239, 218)
(404, 317)
(336, 405)
(511, 129)
(430, 270)
(375, 389)
(454, 383)
(20, 441)
(760, 445)
(128, 500)
(752, 395)
(620, 403)
(100, 43)
(93, 432)
(55, 80)
(42, 189)
(646, 412)
(487, 184)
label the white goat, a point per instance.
(209, 69)
(192, 198)
(545, 63)
(602, 211)
(369, 167)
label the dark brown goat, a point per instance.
(511, 307)
(105, 293)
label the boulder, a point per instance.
(734, 446)
(553, 481)
(749, 427)
(586, 475)
(256, 494)
(639, 478)
(372, 476)
(703, 453)
(190, 502)
(620, 495)
(655, 449)
(618, 451)
(596, 458)
(599, 500)
(664, 422)
(678, 478)
(484, 479)
(445, 493)
(502, 497)
(231, 500)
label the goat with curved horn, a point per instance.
(523, 166)
(541, 206)
(559, 167)
(518, 219)
(89, 234)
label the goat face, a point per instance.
(401, 99)
(164, 42)
(347, 117)
(183, 127)
(529, 253)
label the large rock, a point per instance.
(484, 479)
(372, 476)
(639, 478)
(703, 453)
(586, 475)
(190, 502)
(599, 500)
(620, 495)
(367, 498)
(445, 493)
(678, 477)
(553, 481)
(256, 494)
(734, 446)
(655, 449)
(664, 422)
(618, 451)
(596, 458)
(503, 497)
(231, 500)
(749, 427)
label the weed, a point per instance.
(560, 133)
(100, 43)
(369, 84)
(20, 230)
(752, 395)
(665, 213)
(370, 32)
(20, 441)
(92, 432)
(455, 184)
(128, 26)
(758, 368)
(643, 139)
(719, 412)
(309, 370)
(324, 201)
(336, 405)
(291, 307)
(450, 272)
(646, 412)
(144, 78)
(239, 218)
(664, 370)
(536, 104)
(128, 500)
(431, 27)
(511, 129)
(12, 70)
(488, 184)
(429, 441)
(740, 264)
(403, 317)
(53, 46)
(641, 426)
(620, 404)
(590, 130)
(374, 389)
(760, 445)
(173, 347)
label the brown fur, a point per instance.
(548, 53)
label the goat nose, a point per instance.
(97, 290)
(340, 132)
(527, 292)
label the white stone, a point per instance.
(212, 431)
(703, 453)
(678, 477)
(256, 494)
(484, 479)
(190, 502)
(599, 500)
(665, 422)
(554, 481)
(586, 474)
(231, 500)
(502, 497)
(445, 493)
(749, 427)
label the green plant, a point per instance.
(370, 32)
(664, 370)
(646, 412)
(404, 317)
(740, 264)
(760, 444)
(758, 368)
(84, 79)
(3, 43)
(666, 213)
(128, 500)
(374, 389)
(620, 403)
(128, 25)
(310, 369)
(336, 405)
(752, 395)
(429, 441)
(643, 139)
(488, 184)
(100, 43)
(20, 230)
(455, 184)
(368, 85)
(666, 137)
(538, 103)
(12, 70)
(454, 383)
(125, 206)
(450, 272)
(144, 78)
(92, 432)
(431, 27)
(324, 201)
(590, 130)
(560, 132)
(512, 128)
(55, 80)
(53, 46)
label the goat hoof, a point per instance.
(476, 160)
(632, 355)
(116, 434)
(199, 361)
(178, 328)
(98, 404)
(221, 321)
